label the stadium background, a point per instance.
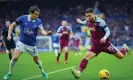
(117, 14)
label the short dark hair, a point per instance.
(89, 10)
(33, 9)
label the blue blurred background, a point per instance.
(116, 13)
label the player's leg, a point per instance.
(109, 48)
(13, 46)
(13, 61)
(89, 55)
(120, 54)
(56, 49)
(32, 50)
(95, 50)
(19, 49)
(66, 49)
(17, 54)
(39, 64)
(10, 53)
(9, 49)
(77, 50)
(59, 53)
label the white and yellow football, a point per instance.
(104, 74)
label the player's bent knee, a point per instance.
(15, 58)
(119, 55)
(66, 49)
(9, 51)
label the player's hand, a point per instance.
(79, 21)
(60, 34)
(103, 40)
(49, 33)
(9, 38)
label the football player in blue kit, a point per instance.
(29, 26)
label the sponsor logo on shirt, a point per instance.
(28, 31)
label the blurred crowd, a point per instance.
(118, 17)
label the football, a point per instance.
(104, 74)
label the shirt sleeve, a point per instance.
(102, 23)
(84, 22)
(70, 30)
(59, 30)
(105, 27)
(19, 20)
(40, 26)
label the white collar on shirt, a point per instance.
(30, 19)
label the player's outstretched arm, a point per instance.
(11, 29)
(81, 22)
(43, 32)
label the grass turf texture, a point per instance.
(120, 69)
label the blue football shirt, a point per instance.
(55, 38)
(28, 29)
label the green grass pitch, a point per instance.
(120, 69)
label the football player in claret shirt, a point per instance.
(100, 41)
(64, 32)
(77, 42)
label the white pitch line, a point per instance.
(49, 73)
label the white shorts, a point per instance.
(56, 45)
(32, 50)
